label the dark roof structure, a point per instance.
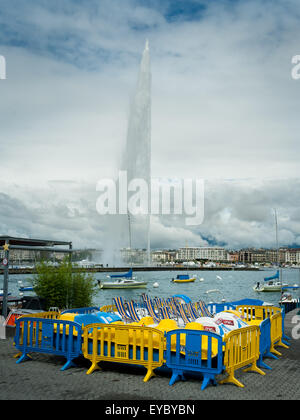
(31, 242)
(9, 242)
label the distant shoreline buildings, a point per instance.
(206, 254)
(198, 255)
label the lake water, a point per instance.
(233, 285)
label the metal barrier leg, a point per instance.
(232, 380)
(254, 368)
(177, 375)
(207, 379)
(271, 355)
(262, 364)
(69, 364)
(94, 367)
(282, 344)
(273, 350)
(23, 358)
(149, 374)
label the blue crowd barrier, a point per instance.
(192, 357)
(50, 336)
(285, 338)
(251, 302)
(265, 344)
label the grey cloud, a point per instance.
(69, 213)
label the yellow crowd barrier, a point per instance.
(123, 344)
(241, 350)
(258, 313)
(44, 315)
(276, 333)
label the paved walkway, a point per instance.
(41, 379)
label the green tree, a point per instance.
(64, 286)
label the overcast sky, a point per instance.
(224, 108)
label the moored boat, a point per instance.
(184, 278)
(272, 284)
(123, 283)
(1, 293)
(23, 288)
(26, 289)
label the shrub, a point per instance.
(64, 286)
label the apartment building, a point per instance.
(292, 256)
(203, 253)
(164, 256)
(252, 255)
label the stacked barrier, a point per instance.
(123, 344)
(182, 350)
(202, 353)
(44, 315)
(214, 308)
(285, 338)
(50, 336)
(241, 350)
(276, 333)
(276, 315)
(81, 311)
(265, 344)
(250, 312)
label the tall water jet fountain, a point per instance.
(136, 164)
(137, 156)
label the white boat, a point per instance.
(288, 298)
(271, 286)
(123, 283)
(2, 293)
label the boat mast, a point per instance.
(130, 252)
(129, 229)
(187, 257)
(277, 247)
(276, 230)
